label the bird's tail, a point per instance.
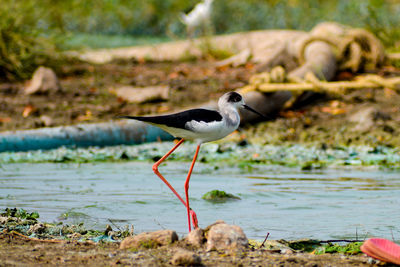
(148, 119)
(129, 117)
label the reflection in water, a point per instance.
(284, 202)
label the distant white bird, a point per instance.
(199, 16)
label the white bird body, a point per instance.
(199, 15)
(202, 125)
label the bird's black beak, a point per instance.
(252, 110)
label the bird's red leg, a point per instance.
(190, 212)
(155, 169)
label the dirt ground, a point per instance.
(87, 92)
(20, 251)
(87, 96)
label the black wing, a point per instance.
(179, 120)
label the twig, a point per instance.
(391, 231)
(14, 233)
(264, 240)
(356, 233)
(112, 222)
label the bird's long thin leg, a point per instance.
(189, 211)
(155, 170)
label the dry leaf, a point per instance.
(28, 110)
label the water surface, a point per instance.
(285, 202)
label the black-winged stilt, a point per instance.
(200, 126)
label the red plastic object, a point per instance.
(382, 249)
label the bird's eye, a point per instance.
(234, 97)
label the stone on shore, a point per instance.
(222, 236)
(150, 239)
(183, 257)
(44, 80)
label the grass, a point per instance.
(96, 41)
(31, 32)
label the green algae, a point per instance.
(350, 248)
(219, 196)
(314, 246)
(306, 157)
(26, 223)
(20, 213)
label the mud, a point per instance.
(21, 251)
(87, 92)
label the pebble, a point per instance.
(222, 236)
(196, 237)
(183, 257)
(150, 239)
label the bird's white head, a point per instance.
(231, 99)
(234, 100)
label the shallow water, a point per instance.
(287, 203)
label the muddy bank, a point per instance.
(363, 117)
(49, 244)
(19, 251)
(87, 93)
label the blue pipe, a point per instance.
(82, 135)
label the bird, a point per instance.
(200, 126)
(199, 16)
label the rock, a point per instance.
(367, 117)
(363, 119)
(142, 94)
(211, 225)
(46, 120)
(196, 237)
(223, 236)
(37, 228)
(236, 60)
(44, 80)
(108, 229)
(3, 219)
(183, 257)
(74, 236)
(150, 239)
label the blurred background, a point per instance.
(31, 30)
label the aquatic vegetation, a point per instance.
(26, 223)
(219, 196)
(350, 248)
(306, 157)
(20, 213)
(313, 246)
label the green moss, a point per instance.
(149, 244)
(20, 213)
(351, 248)
(307, 245)
(218, 196)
